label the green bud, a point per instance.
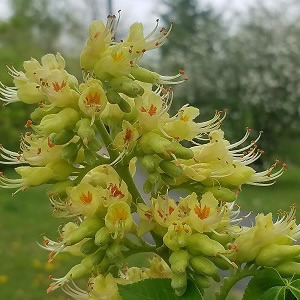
(113, 251)
(274, 254)
(95, 144)
(88, 247)
(150, 162)
(220, 262)
(199, 243)
(204, 266)
(179, 283)
(59, 188)
(62, 137)
(61, 170)
(127, 86)
(124, 106)
(148, 187)
(89, 156)
(69, 153)
(167, 179)
(201, 281)
(144, 75)
(221, 193)
(179, 261)
(113, 97)
(288, 268)
(86, 229)
(102, 237)
(181, 152)
(37, 115)
(78, 271)
(170, 168)
(85, 130)
(154, 177)
(222, 238)
(97, 257)
(104, 264)
(151, 143)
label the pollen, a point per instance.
(92, 99)
(86, 198)
(202, 213)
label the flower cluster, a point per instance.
(84, 140)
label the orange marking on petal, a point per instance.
(128, 135)
(50, 144)
(92, 99)
(58, 87)
(115, 191)
(202, 213)
(86, 198)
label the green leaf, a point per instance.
(157, 289)
(274, 293)
(295, 288)
(262, 282)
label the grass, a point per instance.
(23, 265)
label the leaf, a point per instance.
(157, 289)
(262, 282)
(274, 293)
(295, 288)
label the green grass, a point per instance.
(23, 265)
(281, 195)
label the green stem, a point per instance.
(229, 282)
(106, 139)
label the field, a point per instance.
(23, 265)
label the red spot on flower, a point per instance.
(115, 191)
(171, 209)
(151, 111)
(58, 87)
(128, 135)
(160, 213)
(202, 213)
(86, 198)
(50, 144)
(28, 124)
(148, 214)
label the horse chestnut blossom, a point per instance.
(85, 140)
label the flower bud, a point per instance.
(113, 251)
(179, 283)
(199, 243)
(86, 229)
(272, 255)
(288, 268)
(148, 186)
(88, 247)
(102, 237)
(170, 168)
(150, 162)
(33, 176)
(113, 97)
(152, 143)
(201, 281)
(69, 153)
(167, 179)
(62, 137)
(84, 129)
(220, 262)
(221, 193)
(127, 86)
(144, 75)
(59, 188)
(179, 261)
(124, 106)
(97, 257)
(61, 170)
(31, 93)
(204, 266)
(180, 151)
(37, 115)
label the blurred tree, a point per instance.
(251, 69)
